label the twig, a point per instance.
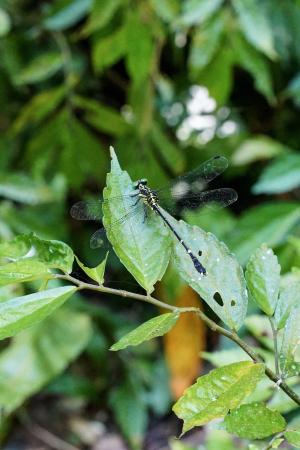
(210, 323)
(50, 439)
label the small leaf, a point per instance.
(158, 326)
(255, 149)
(195, 11)
(108, 50)
(167, 10)
(39, 354)
(41, 68)
(143, 248)
(95, 273)
(19, 313)
(223, 288)
(254, 421)
(293, 437)
(289, 357)
(282, 175)
(68, 16)
(289, 296)
(256, 25)
(5, 23)
(214, 394)
(263, 279)
(102, 12)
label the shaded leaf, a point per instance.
(254, 421)
(41, 68)
(195, 11)
(167, 10)
(267, 223)
(281, 175)
(68, 15)
(158, 326)
(19, 313)
(289, 357)
(223, 287)
(95, 273)
(255, 149)
(143, 248)
(171, 154)
(256, 25)
(39, 354)
(183, 344)
(289, 296)
(293, 437)
(108, 50)
(214, 394)
(101, 13)
(263, 279)
(5, 22)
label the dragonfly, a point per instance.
(185, 191)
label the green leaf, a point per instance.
(102, 117)
(254, 63)
(158, 326)
(263, 279)
(108, 50)
(220, 223)
(68, 16)
(5, 23)
(101, 14)
(170, 153)
(205, 42)
(19, 313)
(256, 25)
(41, 68)
(95, 273)
(140, 48)
(167, 10)
(198, 11)
(293, 89)
(144, 249)
(293, 437)
(281, 402)
(289, 296)
(282, 175)
(38, 108)
(39, 354)
(267, 223)
(28, 269)
(223, 288)
(289, 357)
(254, 421)
(214, 394)
(53, 254)
(257, 148)
(130, 411)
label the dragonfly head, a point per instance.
(142, 182)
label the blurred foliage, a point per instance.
(169, 84)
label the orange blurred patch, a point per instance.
(184, 343)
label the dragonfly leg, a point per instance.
(146, 210)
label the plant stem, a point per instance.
(210, 323)
(275, 334)
(270, 444)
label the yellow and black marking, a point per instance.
(151, 200)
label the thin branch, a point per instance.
(210, 323)
(270, 444)
(276, 354)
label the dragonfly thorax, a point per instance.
(146, 194)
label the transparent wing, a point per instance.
(92, 209)
(196, 179)
(99, 238)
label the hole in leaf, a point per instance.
(218, 299)
(232, 303)
(200, 252)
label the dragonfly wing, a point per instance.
(87, 210)
(215, 199)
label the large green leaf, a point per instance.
(19, 313)
(53, 254)
(158, 326)
(255, 149)
(254, 421)
(140, 48)
(41, 68)
(195, 11)
(289, 357)
(289, 296)
(223, 287)
(256, 25)
(282, 175)
(263, 279)
(68, 15)
(142, 246)
(214, 394)
(39, 354)
(267, 223)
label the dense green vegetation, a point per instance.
(168, 84)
